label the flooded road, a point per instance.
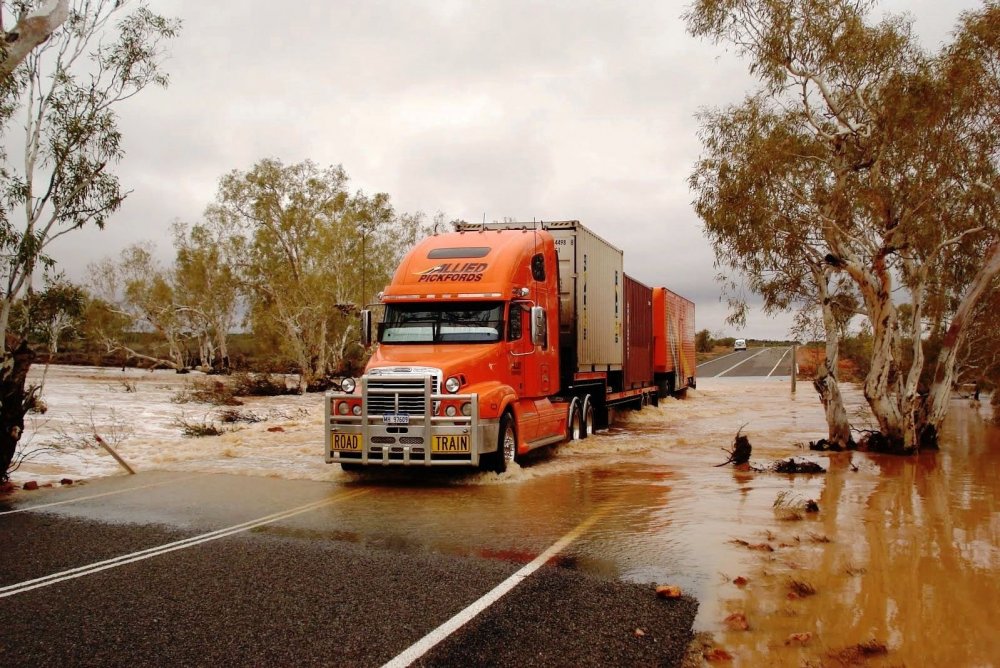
(903, 552)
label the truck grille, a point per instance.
(394, 401)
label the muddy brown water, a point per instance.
(903, 553)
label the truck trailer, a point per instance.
(500, 338)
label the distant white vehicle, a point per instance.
(741, 344)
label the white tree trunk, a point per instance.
(826, 382)
(944, 376)
(31, 30)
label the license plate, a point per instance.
(346, 442)
(402, 418)
(447, 444)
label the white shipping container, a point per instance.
(591, 302)
(591, 294)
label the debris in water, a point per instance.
(717, 655)
(737, 622)
(792, 466)
(789, 507)
(800, 589)
(762, 547)
(799, 639)
(856, 654)
(668, 591)
(823, 445)
(740, 453)
(740, 581)
(874, 441)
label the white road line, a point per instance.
(425, 644)
(779, 361)
(762, 350)
(715, 359)
(97, 496)
(148, 553)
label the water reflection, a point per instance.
(911, 561)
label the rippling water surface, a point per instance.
(903, 551)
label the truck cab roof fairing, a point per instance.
(468, 265)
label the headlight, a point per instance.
(467, 409)
(342, 408)
(451, 411)
(348, 385)
(357, 409)
(452, 385)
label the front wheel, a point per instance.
(506, 447)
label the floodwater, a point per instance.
(903, 555)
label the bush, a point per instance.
(703, 341)
(232, 416)
(197, 429)
(213, 392)
(260, 385)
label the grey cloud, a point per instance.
(556, 109)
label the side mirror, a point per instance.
(366, 328)
(538, 326)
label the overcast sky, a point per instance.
(529, 110)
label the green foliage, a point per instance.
(861, 167)
(857, 348)
(205, 281)
(66, 88)
(703, 341)
(311, 253)
(44, 317)
(63, 179)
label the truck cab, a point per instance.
(467, 361)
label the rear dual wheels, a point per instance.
(581, 419)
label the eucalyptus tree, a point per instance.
(206, 289)
(759, 199)
(52, 312)
(64, 91)
(978, 360)
(309, 252)
(141, 293)
(899, 149)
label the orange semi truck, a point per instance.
(501, 338)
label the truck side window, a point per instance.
(515, 328)
(538, 267)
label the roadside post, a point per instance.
(795, 367)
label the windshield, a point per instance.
(448, 322)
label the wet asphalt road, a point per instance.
(262, 571)
(753, 362)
